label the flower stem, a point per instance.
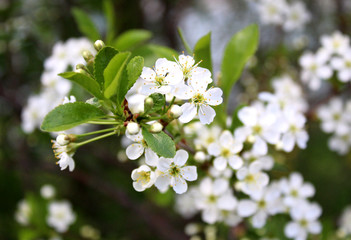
(105, 122)
(170, 105)
(95, 138)
(96, 132)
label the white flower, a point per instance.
(292, 126)
(200, 101)
(225, 150)
(206, 135)
(258, 128)
(214, 197)
(143, 178)
(305, 220)
(296, 16)
(52, 80)
(336, 43)
(60, 215)
(47, 191)
(161, 79)
(65, 161)
(62, 139)
(251, 178)
(345, 221)
(134, 97)
(34, 112)
(174, 173)
(343, 66)
(294, 189)
(272, 12)
(136, 149)
(185, 203)
(191, 71)
(23, 212)
(266, 161)
(264, 203)
(340, 143)
(315, 69)
(334, 117)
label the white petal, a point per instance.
(220, 163)
(214, 149)
(288, 141)
(164, 164)
(214, 96)
(151, 157)
(189, 112)
(259, 219)
(189, 173)
(246, 208)
(292, 229)
(134, 151)
(180, 186)
(314, 227)
(248, 116)
(162, 182)
(210, 215)
(260, 147)
(206, 114)
(181, 157)
(235, 162)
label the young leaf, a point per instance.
(85, 24)
(110, 19)
(131, 39)
(202, 51)
(185, 43)
(159, 101)
(235, 119)
(101, 61)
(163, 52)
(113, 73)
(69, 115)
(160, 143)
(238, 51)
(85, 81)
(131, 73)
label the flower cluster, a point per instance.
(60, 215)
(335, 118)
(276, 119)
(54, 88)
(183, 80)
(291, 16)
(333, 57)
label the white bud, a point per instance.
(251, 139)
(62, 139)
(200, 156)
(175, 111)
(47, 191)
(156, 127)
(98, 45)
(133, 128)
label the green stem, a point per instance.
(95, 139)
(112, 122)
(95, 132)
(170, 104)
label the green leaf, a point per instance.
(131, 39)
(134, 69)
(69, 115)
(159, 101)
(109, 13)
(113, 73)
(202, 51)
(85, 81)
(160, 143)
(163, 52)
(101, 61)
(151, 52)
(185, 43)
(85, 24)
(235, 119)
(238, 51)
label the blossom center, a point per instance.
(174, 170)
(261, 204)
(303, 222)
(159, 80)
(144, 177)
(294, 193)
(225, 152)
(198, 99)
(257, 129)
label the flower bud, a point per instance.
(63, 139)
(200, 156)
(133, 128)
(87, 55)
(98, 45)
(175, 111)
(148, 103)
(156, 127)
(82, 71)
(80, 66)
